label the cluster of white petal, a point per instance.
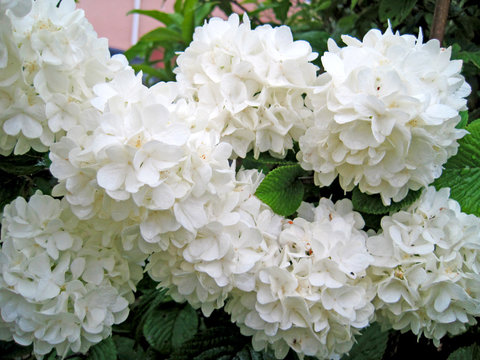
(311, 293)
(385, 115)
(252, 83)
(225, 253)
(63, 282)
(427, 267)
(50, 58)
(140, 157)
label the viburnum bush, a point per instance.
(322, 200)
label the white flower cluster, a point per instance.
(385, 115)
(427, 267)
(50, 58)
(225, 253)
(251, 82)
(63, 282)
(140, 159)
(311, 293)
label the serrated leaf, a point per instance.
(208, 339)
(104, 350)
(371, 344)
(127, 349)
(462, 172)
(169, 327)
(185, 327)
(471, 352)
(282, 190)
(216, 353)
(372, 204)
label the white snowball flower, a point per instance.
(50, 59)
(63, 282)
(252, 83)
(141, 158)
(385, 116)
(311, 293)
(224, 253)
(427, 268)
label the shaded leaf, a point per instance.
(462, 172)
(397, 10)
(104, 350)
(208, 339)
(282, 190)
(466, 353)
(127, 348)
(169, 327)
(372, 204)
(27, 164)
(247, 353)
(371, 344)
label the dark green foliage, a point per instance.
(372, 204)
(104, 350)
(370, 345)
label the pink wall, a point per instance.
(110, 20)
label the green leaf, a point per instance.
(471, 352)
(104, 350)
(203, 11)
(282, 190)
(464, 120)
(27, 164)
(372, 204)
(371, 344)
(169, 327)
(281, 10)
(159, 73)
(395, 10)
(165, 18)
(472, 57)
(462, 172)
(127, 348)
(178, 6)
(207, 339)
(188, 20)
(162, 34)
(247, 353)
(10, 350)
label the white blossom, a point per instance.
(252, 83)
(225, 252)
(63, 282)
(50, 59)
(385, 115)
(426, 267)
(311, 293)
